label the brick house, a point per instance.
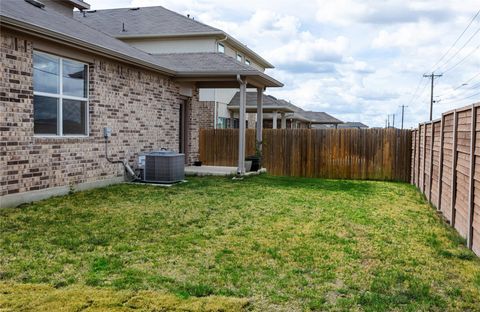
(62, 82)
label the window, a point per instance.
(239, 57)
(222, 123)
(247, 62)
(60, 102)
(221, 48)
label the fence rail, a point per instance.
(376, 154)
(445, 167)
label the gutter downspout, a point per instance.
(241, 133)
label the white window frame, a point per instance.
(60, 96)
(248, 62)
(239, 57)
(220, 45)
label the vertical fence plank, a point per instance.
(432, 138)
(440, 165)
(453, 191)
(418, 155)
(414, 160)
(471, 204)
(424, 157)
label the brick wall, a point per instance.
(140, 106)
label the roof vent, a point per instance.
(92, 11)
(134, 9)
(36, 3)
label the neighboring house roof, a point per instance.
(212, 63)
(354, 124)
(156, 22)
(320, 117)
(270, 103)
(46, 22)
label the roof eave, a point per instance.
(262, 78)
(263, 62)
(55, 36)
(80, 4)
(173, 35)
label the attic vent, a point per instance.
(134, 9)
(36, 3)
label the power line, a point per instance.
(462, 60)
(458, 51)
(458, 39)
(463, 84)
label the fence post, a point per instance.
(418, 155)
(454, 169)
(440, 165)
(431, 162)
(471, 205)
(414, 162)
(424, 156)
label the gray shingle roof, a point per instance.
(352, 124)
(320, 117)
(297, 112)
(48, 20)
(268, 100)
(143, 21)
(211, 64)
(270, 103)
(156, 21)
(203, 62)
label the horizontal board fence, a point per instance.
(374, 154)
(446, 168)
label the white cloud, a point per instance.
(355, 59)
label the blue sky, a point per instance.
(357, 60)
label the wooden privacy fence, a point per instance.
(446, 168)
(376, 154)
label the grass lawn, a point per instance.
(213, 244)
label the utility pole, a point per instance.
(432, 76)
(388, 119)
(393, 125)
(403, 112)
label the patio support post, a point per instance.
(284, 121)
(259, 119)
(274, 120)
(241, 132)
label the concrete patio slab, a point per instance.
(210, 171)
(217, 171)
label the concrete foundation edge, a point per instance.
(14, 200)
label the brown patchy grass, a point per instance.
(36, 297)
(261, 244)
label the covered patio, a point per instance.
(217, 70)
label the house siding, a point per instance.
(141, 106)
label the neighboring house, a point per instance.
(62, 82)
(271, 106)
(352, 125)
(282, 114)
(158, 30)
